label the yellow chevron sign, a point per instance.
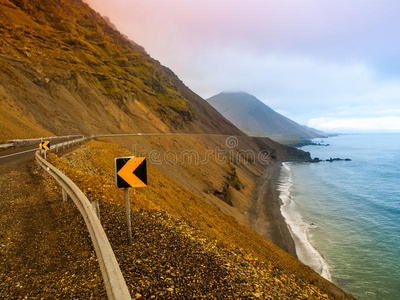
(130, 172)
(45, 145)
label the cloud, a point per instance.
(381, 124)
(323, 28)
(309, 59)
(300, 87)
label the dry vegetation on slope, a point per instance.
(223, 170)
(63, 70)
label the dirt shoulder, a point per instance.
(265, 215)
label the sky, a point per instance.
(330, 64)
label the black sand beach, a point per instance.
(265, 216)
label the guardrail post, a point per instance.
(95, 204)
(64, 194)
(128, 216)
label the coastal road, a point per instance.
(21, 153)
(17, 154)
(24, 153)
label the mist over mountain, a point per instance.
(257, 119)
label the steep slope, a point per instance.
(183, 248)
(92, 165)
(257, 119)
(64, 70)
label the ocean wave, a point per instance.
(298, 228)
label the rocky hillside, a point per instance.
(257, 119)
(64, 70)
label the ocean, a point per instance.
(345, 215)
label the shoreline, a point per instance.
(299, 229)
(272, 217)
(265, 215)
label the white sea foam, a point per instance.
(297, 227)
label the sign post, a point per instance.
(130, 172)
(128, 216)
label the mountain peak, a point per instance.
(256, 118)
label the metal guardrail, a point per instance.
(29, 142)
(10, 145)
(67, 144)
(114, 281)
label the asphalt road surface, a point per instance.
(19, 154)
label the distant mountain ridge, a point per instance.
(257, 119)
